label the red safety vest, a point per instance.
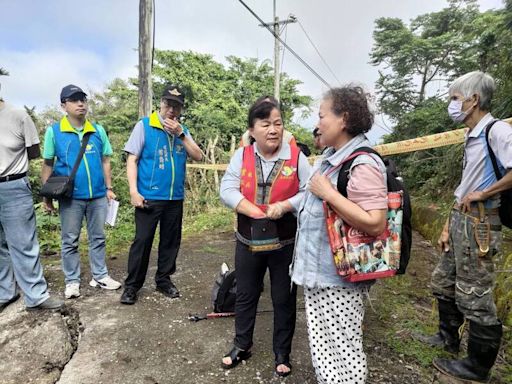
(281, 184)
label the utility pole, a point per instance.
(145, 56)
(277, 73)
(275, 24)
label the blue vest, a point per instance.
(162, 163)
(89, 180)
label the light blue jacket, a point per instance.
(313, 264)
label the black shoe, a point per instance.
(483, 348)
(170, 291)
(463, 369)
(12, 300)
(129, 296)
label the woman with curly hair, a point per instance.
(334, 307)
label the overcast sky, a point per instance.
(47, 44)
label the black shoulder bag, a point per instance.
(58, 187)
(505, 210)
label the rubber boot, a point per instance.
(450, 320)
(483, 347)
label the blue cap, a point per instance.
(70, 90)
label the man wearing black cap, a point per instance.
(157, 152)
(19, 249)
(92, 188)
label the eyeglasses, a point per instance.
(75, 99)
(172, 104)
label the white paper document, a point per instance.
(113, 206)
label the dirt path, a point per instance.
(153, 342)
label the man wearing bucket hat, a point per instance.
(157, 153)
(92, 188)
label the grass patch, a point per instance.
(217, 218)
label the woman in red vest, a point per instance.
(264, 184)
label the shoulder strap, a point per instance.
(491, 152)
(85, 140)
(347, 163)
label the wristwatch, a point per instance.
(182, 135)
(109, 188)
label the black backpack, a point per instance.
(224, 292)
(505, 209)
(394, 185)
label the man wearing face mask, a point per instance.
(157, 153)
(463, 280)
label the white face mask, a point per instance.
(455, 111)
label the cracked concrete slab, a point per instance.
(34, 346)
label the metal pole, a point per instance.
(145, 56)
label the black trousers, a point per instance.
(170, 214)
(250, 270)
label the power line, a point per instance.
(286, 45)
(319, 54)
(383, 127)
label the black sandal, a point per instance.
(237, 355)
(283, 359)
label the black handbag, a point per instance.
(264, 235)
(58, 187)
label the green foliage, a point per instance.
(48, 231)
(116, 108)
(419, 60)
(412, 57)
(426, 171)
(302, 135)
(218, 218)
(218, 98)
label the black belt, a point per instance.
(12, 177)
